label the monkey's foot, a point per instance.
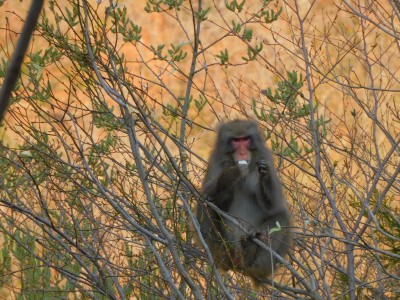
(255, 234)
(208, 198)
(260, 235)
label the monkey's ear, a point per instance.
(224, 142)
(229, 146)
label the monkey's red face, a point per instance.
(242, 148)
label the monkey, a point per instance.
(14, 66)
(242, 182)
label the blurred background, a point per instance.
(106, 140)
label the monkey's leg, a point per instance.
(250, 249)
(259, 263)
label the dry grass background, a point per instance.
(329, 28)
(337, 48)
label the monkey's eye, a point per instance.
(241, 139)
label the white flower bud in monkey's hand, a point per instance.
(243, 167)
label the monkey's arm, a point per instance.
(218, 190)
(268, 186)
(225, 183)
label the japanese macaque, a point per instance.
(241, 181)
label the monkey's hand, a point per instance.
(229, 176)
(263, 168)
